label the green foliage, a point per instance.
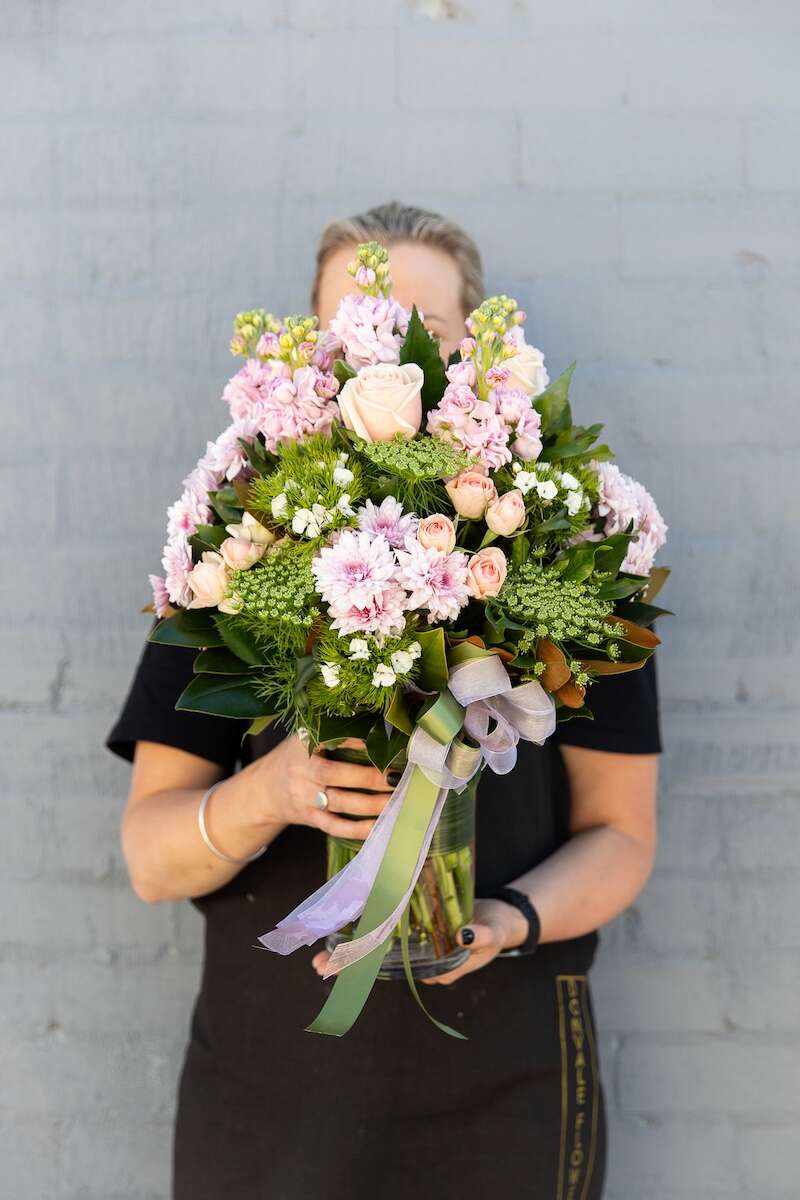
(222, 696)
(354, 689)
(553, 405)
(188, 627)
(308, 477)
(421, 348)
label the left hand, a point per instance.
(496, 926)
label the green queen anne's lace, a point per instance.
(554, 607)
(275, 598)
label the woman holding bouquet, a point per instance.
(564, 844)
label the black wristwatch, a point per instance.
(520, 900)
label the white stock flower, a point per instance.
(330, 673)
(384, 676)
(402, 662)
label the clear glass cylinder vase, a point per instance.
(443, 899)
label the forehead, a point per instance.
(422, 275)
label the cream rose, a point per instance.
(507, 513)
(527, 370)
(437, 532)
(486, 572)
(208, 580)
(382, 401)
(471, 492)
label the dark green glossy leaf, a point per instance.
(188, 627)
(333, 729)
(343, 371)
(240, 641)
(553, 404)
(419, 347)
(207, 537)
(383, 749)
(433, 661)
(223, 504)
(222, 696)
(219, 661)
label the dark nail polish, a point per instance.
(393, 778)
(467, 936)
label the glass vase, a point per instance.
(443, 898)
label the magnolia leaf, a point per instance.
(397, 713)
(556, 672)
(238, 639)
(188, 627)
(218, 661)
(658, 577)
(636, 634)
(222, 696)
(602, 666)
(383, 749)
(336, 729)
(571, 694)
(420, 348)
(258, 726)
(553, 404)
(433, 660)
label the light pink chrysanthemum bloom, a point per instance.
(186, 514)
(616, 499)
(436, 582)
(177, 563)
(225, 457)
(388, 519)
(355, 570)
(382, 616)
(623, 499)
(369, 329)
(160, 594)
(200, 481)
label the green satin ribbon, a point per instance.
(353, 985)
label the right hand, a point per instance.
(293, 777)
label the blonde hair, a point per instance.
(394, 222)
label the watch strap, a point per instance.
(522, 902)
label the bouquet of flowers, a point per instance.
(431, 558)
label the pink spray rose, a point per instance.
(486, 572)
(382, 401)
(239, 554)
(437, 532)
(507, 513)
(471, 492)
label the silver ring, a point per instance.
(321, 800)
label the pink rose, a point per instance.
(382, 401)
(208, 581)
(471, 492)
(437, 533)
(239, 554)
(507, 513)
(486, 572)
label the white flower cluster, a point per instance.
(310, 522)
(385, 674)
(560, 485)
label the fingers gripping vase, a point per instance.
(442, 901)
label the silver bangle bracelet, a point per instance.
(201, 822)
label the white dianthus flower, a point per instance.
(547, 489)
(402, 662)
(279, 505)
(330, 673)
(384, 676)
(359, 648)
(342, 476)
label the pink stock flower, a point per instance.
(462, 374)
(387, 519)
(369, 329)
(436, 582)
(160, 595)
(246, 391)
(355, 571)
(298, 406)
(487, 440)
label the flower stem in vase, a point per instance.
(438, 926)
(447, 891)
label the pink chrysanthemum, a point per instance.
(369, 329)
(616, 499)
(382, 616)
(177, 563)
(354, 571)
(186, 514)
(436, 582)
(623, 499)
(160, 595)
(387, 519)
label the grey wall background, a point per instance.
(631, 171)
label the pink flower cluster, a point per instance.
(623, 499)
(369, 330)
(283, 405)
(368, 581)
(490, 430)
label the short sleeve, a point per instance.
(148, 713)
(626, 715)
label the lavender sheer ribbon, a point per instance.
(483, 688)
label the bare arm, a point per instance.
(165, 854)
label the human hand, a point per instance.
(290, 781)
(496, 926)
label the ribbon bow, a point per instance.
(377, 884)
